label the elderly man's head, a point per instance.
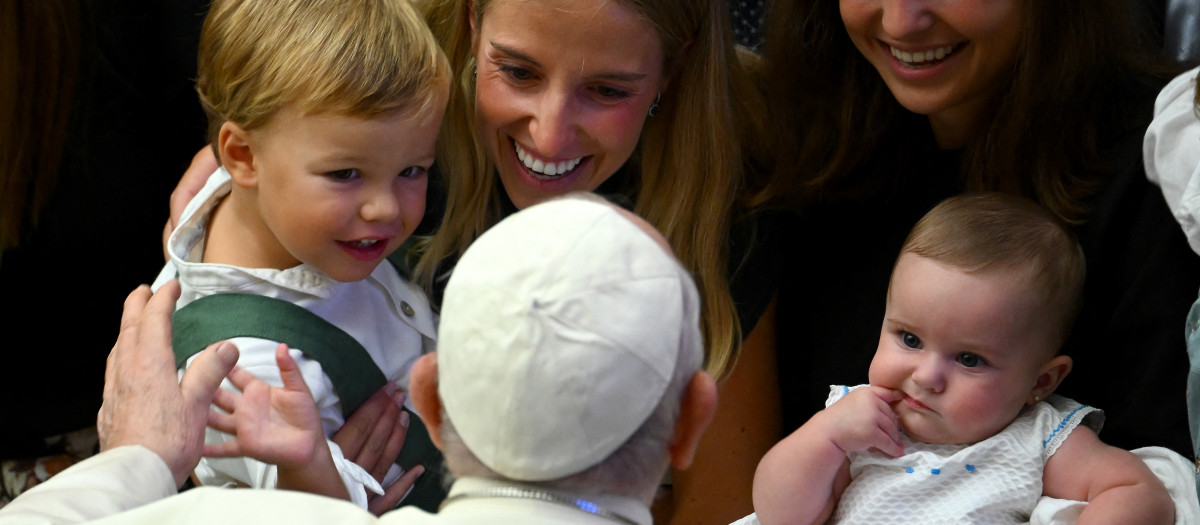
(569, 354)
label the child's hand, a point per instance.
(272, 424)
(863, 419)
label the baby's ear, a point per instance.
(236, 155)
(1050, 376)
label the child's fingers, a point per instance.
(888, 395)
(225, 400)
(226, 449)
(392, 495)
(293, 379)
(223, 422)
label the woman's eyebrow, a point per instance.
(621, 76)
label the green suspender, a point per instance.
(350, 368)
(223, 316)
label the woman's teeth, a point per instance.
(540, 167)
(921, 57)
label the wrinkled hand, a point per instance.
(277, 425)
(864, 419)
(145, 402)
(204, 163)
(372, 437)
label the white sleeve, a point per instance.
(257, 356)
(107, 483)
(1171, 152)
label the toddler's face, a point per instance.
(341, 193)
(966, 348)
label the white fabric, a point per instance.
(370, 310)
(1171, 152)
(997, 480)
(561, 328)
(126, 486)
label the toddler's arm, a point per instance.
(278, 426)
(802, 477)
(1118, 486)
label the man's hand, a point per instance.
(144, 401)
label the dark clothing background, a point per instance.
(135, 125)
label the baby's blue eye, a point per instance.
(970, 360)
(910, 340)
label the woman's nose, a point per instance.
(553, 127)
(906, 18)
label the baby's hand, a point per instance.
(863, 419)
(278, 425)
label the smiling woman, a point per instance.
(644, 101)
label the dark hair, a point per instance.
(35, 106)
(1079, 63)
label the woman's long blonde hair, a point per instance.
(690, 158)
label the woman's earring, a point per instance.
(654, 107)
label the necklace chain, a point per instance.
(540, 495)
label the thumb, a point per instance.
(206, 372)
(888, 395)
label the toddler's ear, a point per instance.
(1051, 375)
(233, 145)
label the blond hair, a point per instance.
(987, 232)
(358, 58)
(689, 155)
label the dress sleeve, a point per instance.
(1058, 416)
(1172, 152)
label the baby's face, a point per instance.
(966, 348)
(341, 193)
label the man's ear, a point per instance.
(1051, 375)
(423, 390)
(699, 405)
(236, 154)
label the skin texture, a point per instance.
(144, 401)
(566, 80)
(308, 188)
(956, 91)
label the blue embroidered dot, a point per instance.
(935, 471)
(970, 468)
(909, 470)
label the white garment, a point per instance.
(1171, 152)
(997, 480)
(131, 485)
(373, 311)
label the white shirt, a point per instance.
(388, 315)
(1171, 152)
(131, 485)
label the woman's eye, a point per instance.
(611, 92)
(346, 174)
(412, 172)
(517, 73)
(910, 340)
(970, 360)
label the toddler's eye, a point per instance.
(412, 172)
(970, 360)
(345, 174)
(910, 340)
